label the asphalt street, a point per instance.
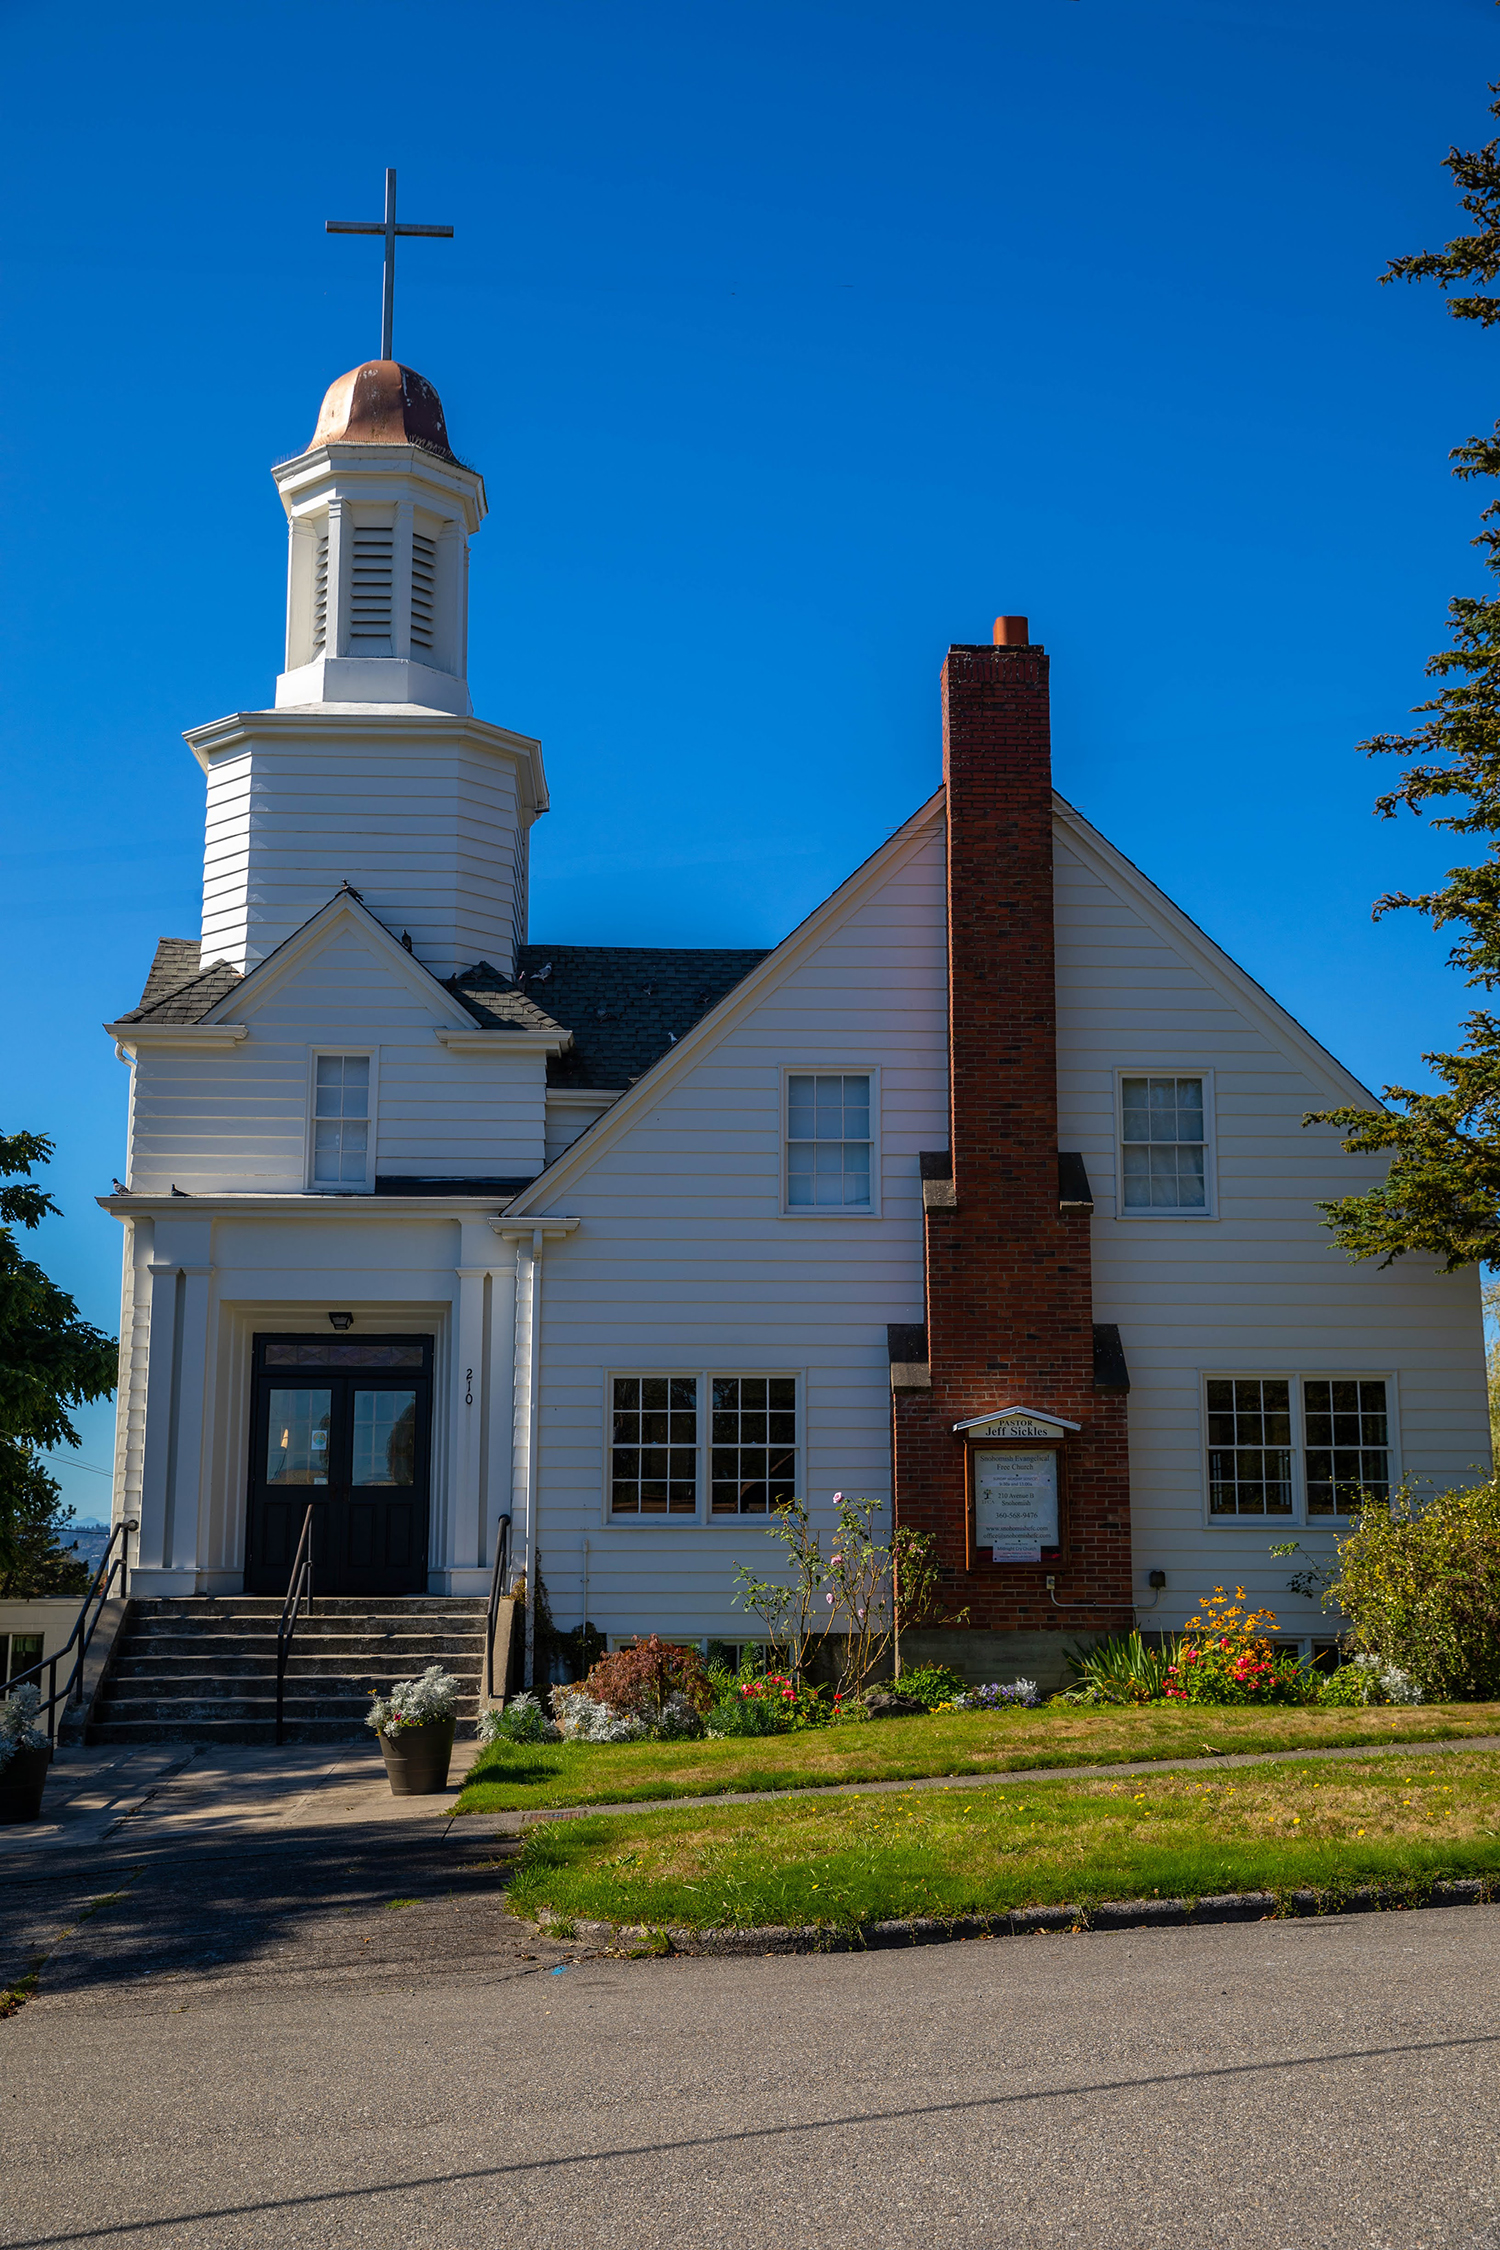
(249, 2044)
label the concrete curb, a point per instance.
(1023, 1921)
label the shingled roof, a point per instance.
(177, 989)
(626, 1005)
(493, 1001)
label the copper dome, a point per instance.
(383, 403)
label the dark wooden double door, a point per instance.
(344, 1426)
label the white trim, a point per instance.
(304, 1204)
(1168, 1216)
(748, 994)
(870, 1210)
(1294, 1378)
(410, 720)
(583, 1097)
(1013, 1414)
(509, 1040)
(129, 1037)
(702, 1518)
(372, 1118)
(286, 957)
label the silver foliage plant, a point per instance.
(583, 1718)
(522, 1720)
(17, 1710)
(1387, 1683)
(412, 1703)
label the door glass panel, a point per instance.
(297, 1437)
(385, 1437)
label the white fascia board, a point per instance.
(382, 471)
(130, 1037)
(309, 1206)
(288, 957)
(583, 1097)
(747, 994)
(1182, 933)
(237, 729)
(508, 1041)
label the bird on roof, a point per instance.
(119, 1187)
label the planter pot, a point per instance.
(22, 1779)
(417, 1758)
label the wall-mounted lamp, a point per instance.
(341, 1321)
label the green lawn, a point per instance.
(846, 1861)
(512, 1777)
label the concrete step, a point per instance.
(213, 1648)
(331, 1605)
(260, 1664)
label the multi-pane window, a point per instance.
(653, 1454)
(753, 1453)
(1348, 1444)
(341, 1121)
(1249, 1446)
(828, 1141)
(1164, 1155)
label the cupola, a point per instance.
(380, 511)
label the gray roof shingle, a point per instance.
(493, 1001)
(177, 990)
(626, 1005)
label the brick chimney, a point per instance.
(1008, 1264)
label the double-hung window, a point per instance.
(702, 1446)
(1304, 1448)
(341, 1121)
(829, 1142)
(1164, 1144)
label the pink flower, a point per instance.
(838, 1496)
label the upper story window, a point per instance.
(1164, 1152)
(341, 1121)
(829, 1143)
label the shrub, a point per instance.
(583, 1718)
(412, 1703)
(1420, 1587)
(522, 1720)
(1223, 1658)
(931, 1684)
(643, 1679)
(1367, 1680)
(765, 1703)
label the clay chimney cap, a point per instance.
(383, 403)
(1011, 632)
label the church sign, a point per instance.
(1014, 1484)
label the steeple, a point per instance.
(380, 512)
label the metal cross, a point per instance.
(388, 227)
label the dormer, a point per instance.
(380, 512)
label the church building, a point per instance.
(984, 1194)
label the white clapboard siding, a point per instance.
(426, 834)
(235, 1120)
(565, 1122)
(1261, 1288)
(684, 1262)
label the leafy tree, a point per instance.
(49, 1360)
(1442, 1190)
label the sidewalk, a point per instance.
(171, 1792)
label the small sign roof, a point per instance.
(1014, 1414)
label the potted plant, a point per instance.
(24, 1756)
(415, 1723)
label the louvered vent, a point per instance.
(370, 594)
(320, 596)
(423, 589)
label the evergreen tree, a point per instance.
(49, 1360)
(1442, 1191)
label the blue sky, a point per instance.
(795, 342)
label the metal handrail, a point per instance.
(111, 1565)
(497, 1588)
(301, 1587)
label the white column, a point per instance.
(189, 1510)
(523, 1423)
(460, 1566)
(499, 1495)
(153, 1563)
